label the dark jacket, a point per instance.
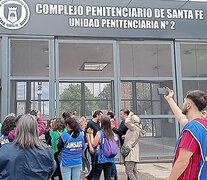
(25, 164)
(121, 131)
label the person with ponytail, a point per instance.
(70, 145)
(102, 162)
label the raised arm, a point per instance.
(129, 124)
(182, 119)
(41, 124)
(121, 130)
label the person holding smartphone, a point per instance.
(41, 126)
(189, 162)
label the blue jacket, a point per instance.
(199, 132)
(72, 153)
(26, 164)
(101, 157)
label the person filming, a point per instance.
(191, 149)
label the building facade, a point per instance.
(79, 56)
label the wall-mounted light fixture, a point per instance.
(93, 66)
(187, 52)
(45, 50)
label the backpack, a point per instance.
(109, 146)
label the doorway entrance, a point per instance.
(89, 75)
(85, 76)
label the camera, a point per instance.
(33, 112)
(162, 91)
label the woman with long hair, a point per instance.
(47, 131)
(85, 170)
(58, 127)
(27, 157)
(71, 144)
(101, 161)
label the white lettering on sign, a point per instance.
(80, 22)
(179, 14)
(120, 17)
(118, 12)
(129, 24)
(58, 9)
(39, 88)
(74, 146)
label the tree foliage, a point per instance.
(70, 100)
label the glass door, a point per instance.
(145, 66)
(85, 76)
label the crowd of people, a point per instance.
(73, 147)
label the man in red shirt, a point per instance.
(188, 154)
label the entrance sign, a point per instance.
(141, 19)
(14, 14)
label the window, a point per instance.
(145, 60)
(160, 136)
(85, 60)
(142, 98)
(85, 97)
(70, 98)
(30, 95)
(98, 96)
(193, 60)
(29, 58)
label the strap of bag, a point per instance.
(102, 140)
(135, 142)
(66, 142)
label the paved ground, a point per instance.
(147, 171)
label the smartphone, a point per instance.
(33, 112)
(162, 91)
